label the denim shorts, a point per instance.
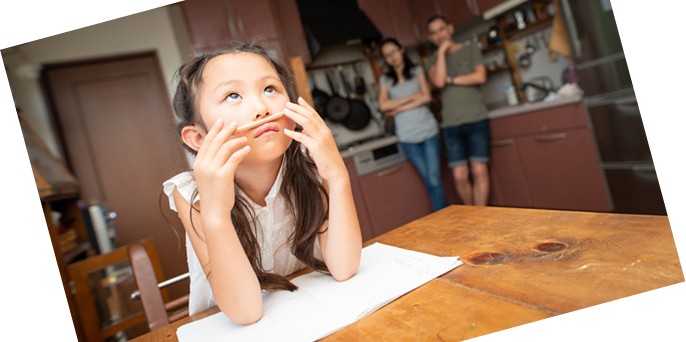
(468, 142)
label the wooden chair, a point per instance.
(100, 287)
(146, 270)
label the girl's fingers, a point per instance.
(230, 147)
(299, 137)
(304, 103)
(216, 127)
(215, 140)
(235, 159)
(306, 117)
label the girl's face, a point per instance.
(243, 87)
(392, 54)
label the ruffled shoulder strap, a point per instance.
(185, 183)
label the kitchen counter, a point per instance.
(493, 114)
(531, 106)
(368, 145)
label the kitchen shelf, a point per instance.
(529, 29)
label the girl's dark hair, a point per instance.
(305, 196)
(408, 67)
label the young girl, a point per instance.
(263, 202)
(404, 95)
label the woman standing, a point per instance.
(404, 95)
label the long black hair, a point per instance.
(305, 196)
(408, 63)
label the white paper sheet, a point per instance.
(322, 305)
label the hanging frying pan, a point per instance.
(359, 115)
(337, 108)
(319, 97)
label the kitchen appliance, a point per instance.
(603, 75)
(378, 155)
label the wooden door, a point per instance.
(117, 129)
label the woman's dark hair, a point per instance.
(408, 67)
(305, 196)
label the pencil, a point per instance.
(254, 124)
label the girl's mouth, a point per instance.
(266, 129)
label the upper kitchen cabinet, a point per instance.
(293, 34)
(457, 12)
(216, 23)
(484, 5)
(393, 19)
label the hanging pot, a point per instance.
(359, 115)
(337, 107)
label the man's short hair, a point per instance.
(436, 17)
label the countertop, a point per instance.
(369, 145)
(493, 114)
(531, 106)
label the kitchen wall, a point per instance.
(161, 30)
(542, 63)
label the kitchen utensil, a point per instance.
(360, 86)
(337, 108)
(319, 97)
(359, 115)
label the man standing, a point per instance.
(457, 69)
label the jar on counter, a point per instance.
(510, 95)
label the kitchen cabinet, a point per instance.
(457, 12)
(214, 24)
(388, 198)
(394, 196)
(293, 33)
(393, 19)
(484, 5)
(547, 158)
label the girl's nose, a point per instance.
(261, 110)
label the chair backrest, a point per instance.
(147, 272)
(100, 285)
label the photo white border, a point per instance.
(33, 298)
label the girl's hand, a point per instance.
(317, 138)
(215, 166)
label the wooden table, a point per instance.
(521, 265)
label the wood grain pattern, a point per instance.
(521, 266)
(558, 261)
(421, 315)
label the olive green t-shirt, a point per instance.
(461, 104)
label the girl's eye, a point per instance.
(270, 90)
(233, 97)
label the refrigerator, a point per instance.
(602, 72)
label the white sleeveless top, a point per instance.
(275, 223)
